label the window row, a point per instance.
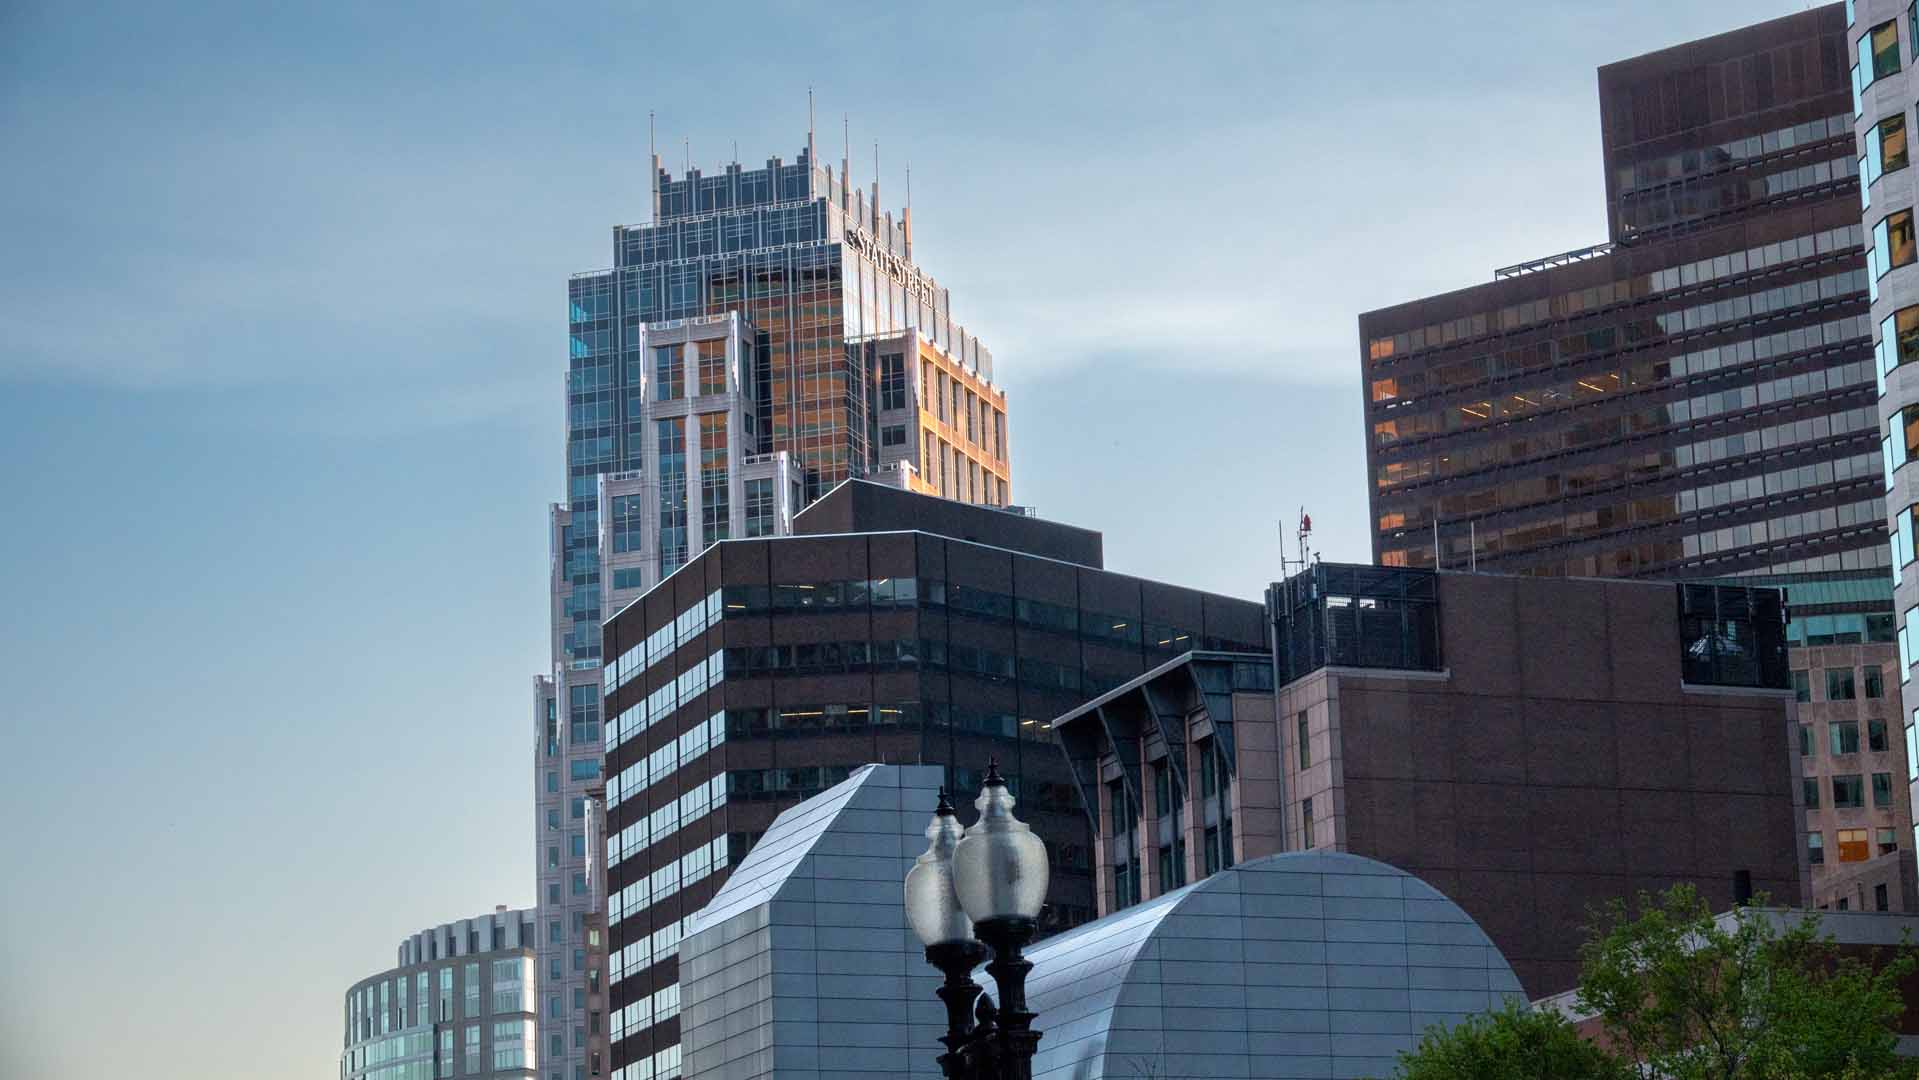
(1566, 305)
(1854, 845)
(1842, 686)
(839, 718)
(681, 873)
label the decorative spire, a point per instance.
(945, 807)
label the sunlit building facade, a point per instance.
(724, 372)
(1694, 398)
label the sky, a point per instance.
(281, 347)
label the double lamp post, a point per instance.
(978, 890)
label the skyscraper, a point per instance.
(764, 336)
(1881, 39)
(1692, 398)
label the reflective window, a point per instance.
(1885, 149)
(669, 373)
(1892, 243)
(1842, 736)
(1815, 848)
(1876, 736)
(1882, 789)
(1801, 690)
(1810, 787)
(1848, 792)
(1878, 53)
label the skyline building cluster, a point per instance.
(788, 549)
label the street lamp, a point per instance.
(970, 892)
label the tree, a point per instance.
(1685, 996)
(1682, 996)
(1515, 1043)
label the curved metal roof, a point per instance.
(1306, 964)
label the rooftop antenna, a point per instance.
(810, 156)
(906, 219)
(1286, 565)
(846, 166)
(876, 186)
(686, 147)
(653, 156)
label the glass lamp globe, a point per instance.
(1000, 868)
(932, 907)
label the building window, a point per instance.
(1849, 792)
(1212, 850)
(1878, 53)
(893, 382)
(1839, 685)
(1853, 846)
(712, 366)
(1208, 769)
(1892, 243)
(759, 507)
(1801, 686)
(589, 769)
(1842, 736)
(1888, 841)
(893, 435)
(470, 977)
(669, 373)
(1805, 740)
(1305, 743)
(1879, 898)
(715, 513)
(446, 1053)
(1162, 790)
(1810, 786)
(1882, 789)
(473, 1049)
(1876, 736)
(1885, 148)
(1875, 683)
(1306, 835)
(1815, 848)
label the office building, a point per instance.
(892, 627)
(459, 1000)
(1302, 965)
(1528, 747)
(1692, 399)
(1880, 43)
(764, 336)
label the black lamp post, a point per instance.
(972, 891)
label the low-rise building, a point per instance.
(1528, 746)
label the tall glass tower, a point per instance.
(745, 352)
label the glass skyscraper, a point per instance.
(738, 359)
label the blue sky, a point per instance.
(281, 330)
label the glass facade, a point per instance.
(1694, 399)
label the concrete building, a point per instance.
(726, 370)
(891, 627)
(1306, 965)
(1694, 397)
(1879, 46)
(1527, 747)
(458, 1001)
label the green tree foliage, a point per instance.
(1515, 1043)
(1693, 999)
(1685, 997)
